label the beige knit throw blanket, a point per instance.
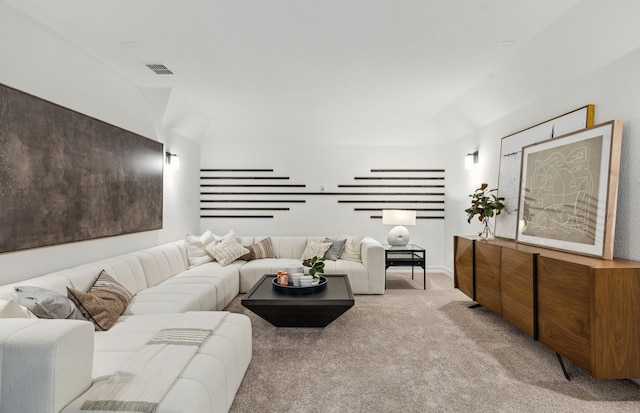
(146, 379)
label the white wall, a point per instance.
(615, 90)
(38, 62)
(323, 215)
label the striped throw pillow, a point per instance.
(103, 303)
(262, 249)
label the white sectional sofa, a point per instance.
(50, 366)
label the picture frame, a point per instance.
(510, 160)
(569, 191)
(68, 177)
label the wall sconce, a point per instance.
(399, 235)
(172, 160)
(470, 159)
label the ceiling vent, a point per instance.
(159, 69)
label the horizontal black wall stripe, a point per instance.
(402, 209)
(390, 186)
(253, 185)
(240, 201)
(246, 177)
(397, 201)
(399, 178)
(236, 170)
(407, 170)
(417, 217)
(242, 209)
(236, 216)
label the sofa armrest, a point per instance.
(45, 364)
(372, 253)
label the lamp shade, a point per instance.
(398, 217)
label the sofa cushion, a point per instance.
(47, 304)
(196, 248)
(227, 251)
(288, 247)
(352, 248)
(315, 249)
(103, 303)
(335, 250)
(45, 364)
(210, 380)
(262, 249)
(12, 309)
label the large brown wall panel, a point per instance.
(67, 177)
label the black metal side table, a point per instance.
(404, 256)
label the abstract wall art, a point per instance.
(67, 177)
(569, 191)
(510, 159)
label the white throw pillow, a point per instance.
(315, 249)
(351, 250)
(227, 251)
(12, 309)
(230, 234)
(195, 246)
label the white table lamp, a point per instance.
(399, 235)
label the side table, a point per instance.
(404, 256)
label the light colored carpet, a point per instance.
(413, 350)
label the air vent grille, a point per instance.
(159, 69)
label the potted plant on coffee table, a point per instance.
(316, 267)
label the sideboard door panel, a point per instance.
(564, 309)
(487, 275)
(463, 265)
(516, 282)
(616, 324)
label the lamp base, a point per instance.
(398, 236)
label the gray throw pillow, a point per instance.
(47, 304)
(336, 248)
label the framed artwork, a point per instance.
(569, 191)
(510, 157)
(67, 177)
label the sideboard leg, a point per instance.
(476, 305)
(564, 369)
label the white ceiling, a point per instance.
(343, 71)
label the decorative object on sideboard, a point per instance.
(511, 154)
(485, 205)
(571, 188)
(399, 234)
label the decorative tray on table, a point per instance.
(293, 290)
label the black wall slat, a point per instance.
(236, 216)
(252, 185)
(390, 186)
(404, 209)
(241, 209)
(246, 177)
(407, 170)
(240, 201)
(399, 178)
(236, 170)
(417, 217)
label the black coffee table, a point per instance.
(307, 310)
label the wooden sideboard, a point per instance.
(585, 309)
